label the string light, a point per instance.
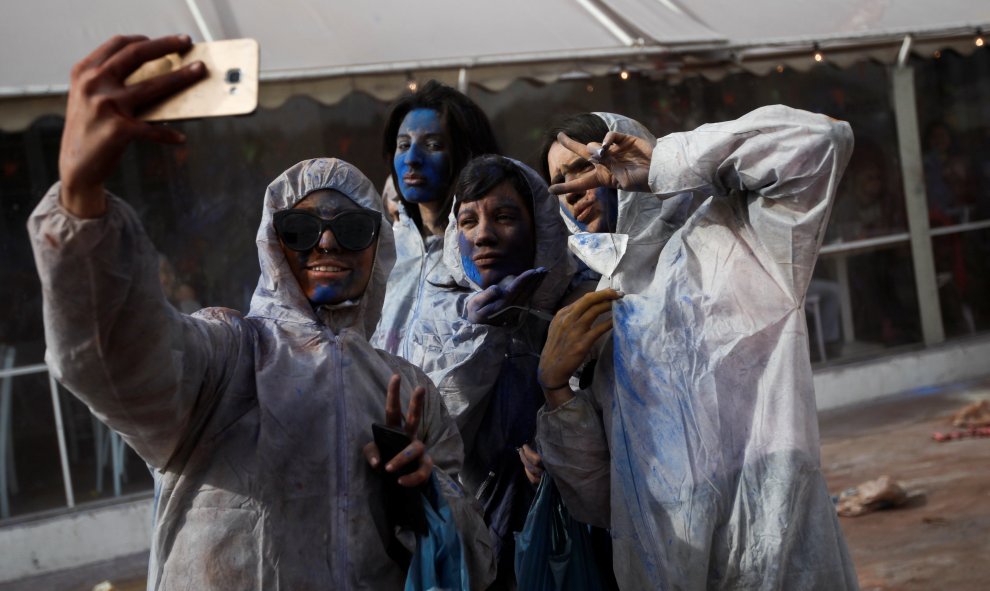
(624, 73)
(937, 54)
(411, 83)
(979, 41)
(590, 88)
(780, 68)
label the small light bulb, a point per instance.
(780, 69)
(937, 54)
(590, 88)
(411, 85)
(624, 74)
(819, 57)
(979, 41)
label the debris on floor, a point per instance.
(872, 495)
(961, 434)
(973, 415)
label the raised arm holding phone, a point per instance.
(258, 425)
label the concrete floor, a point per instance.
(941, 538)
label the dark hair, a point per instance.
(583, 127)
(467, 128)
(484, 173)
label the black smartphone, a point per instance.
(403, 505)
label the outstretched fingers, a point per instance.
(107, 50)
(414, 415)
(585, 182)
(393, 404)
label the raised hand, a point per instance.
(491, 305)
(415, 451)
(572, 333)
(621, 161)
(99, 118)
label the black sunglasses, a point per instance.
(354, 229)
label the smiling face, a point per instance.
(328, 274)
(594, 210)
(422, 157)
(495, 236)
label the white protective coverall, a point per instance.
(697, 442)
(487, 374)
(416, 257)
(256, 423)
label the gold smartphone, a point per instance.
(229, 88)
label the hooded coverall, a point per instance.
(254, 423)
(697, 441)
(487, 374)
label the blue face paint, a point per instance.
(324, 294)
(606, 208)
(495, 236)
(567, 212)
(470, 269)
(422, 157)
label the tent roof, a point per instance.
(328, 49)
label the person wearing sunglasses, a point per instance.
(258, 426)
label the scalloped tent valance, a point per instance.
(327, 49)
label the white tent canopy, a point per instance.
(328, 49)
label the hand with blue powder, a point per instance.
(495, 304)
(416, 450)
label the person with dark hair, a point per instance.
(429, 136)
(592, 210)
(258, 426)
(483, 323)
(696, 440)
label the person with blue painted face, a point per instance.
(696, 440)
(258, 427)
(479, 333)
(429, 136)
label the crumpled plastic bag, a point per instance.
(872, 495)
(439, 562)
(553, 551)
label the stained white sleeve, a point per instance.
(149, 372)
(783, 164)
(575, 452)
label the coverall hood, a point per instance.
(550, 250)
(643, 225)
(278, 295)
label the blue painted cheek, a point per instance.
(567, 212)
(470, 269)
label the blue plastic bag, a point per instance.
(438, 563)
(553, 551)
